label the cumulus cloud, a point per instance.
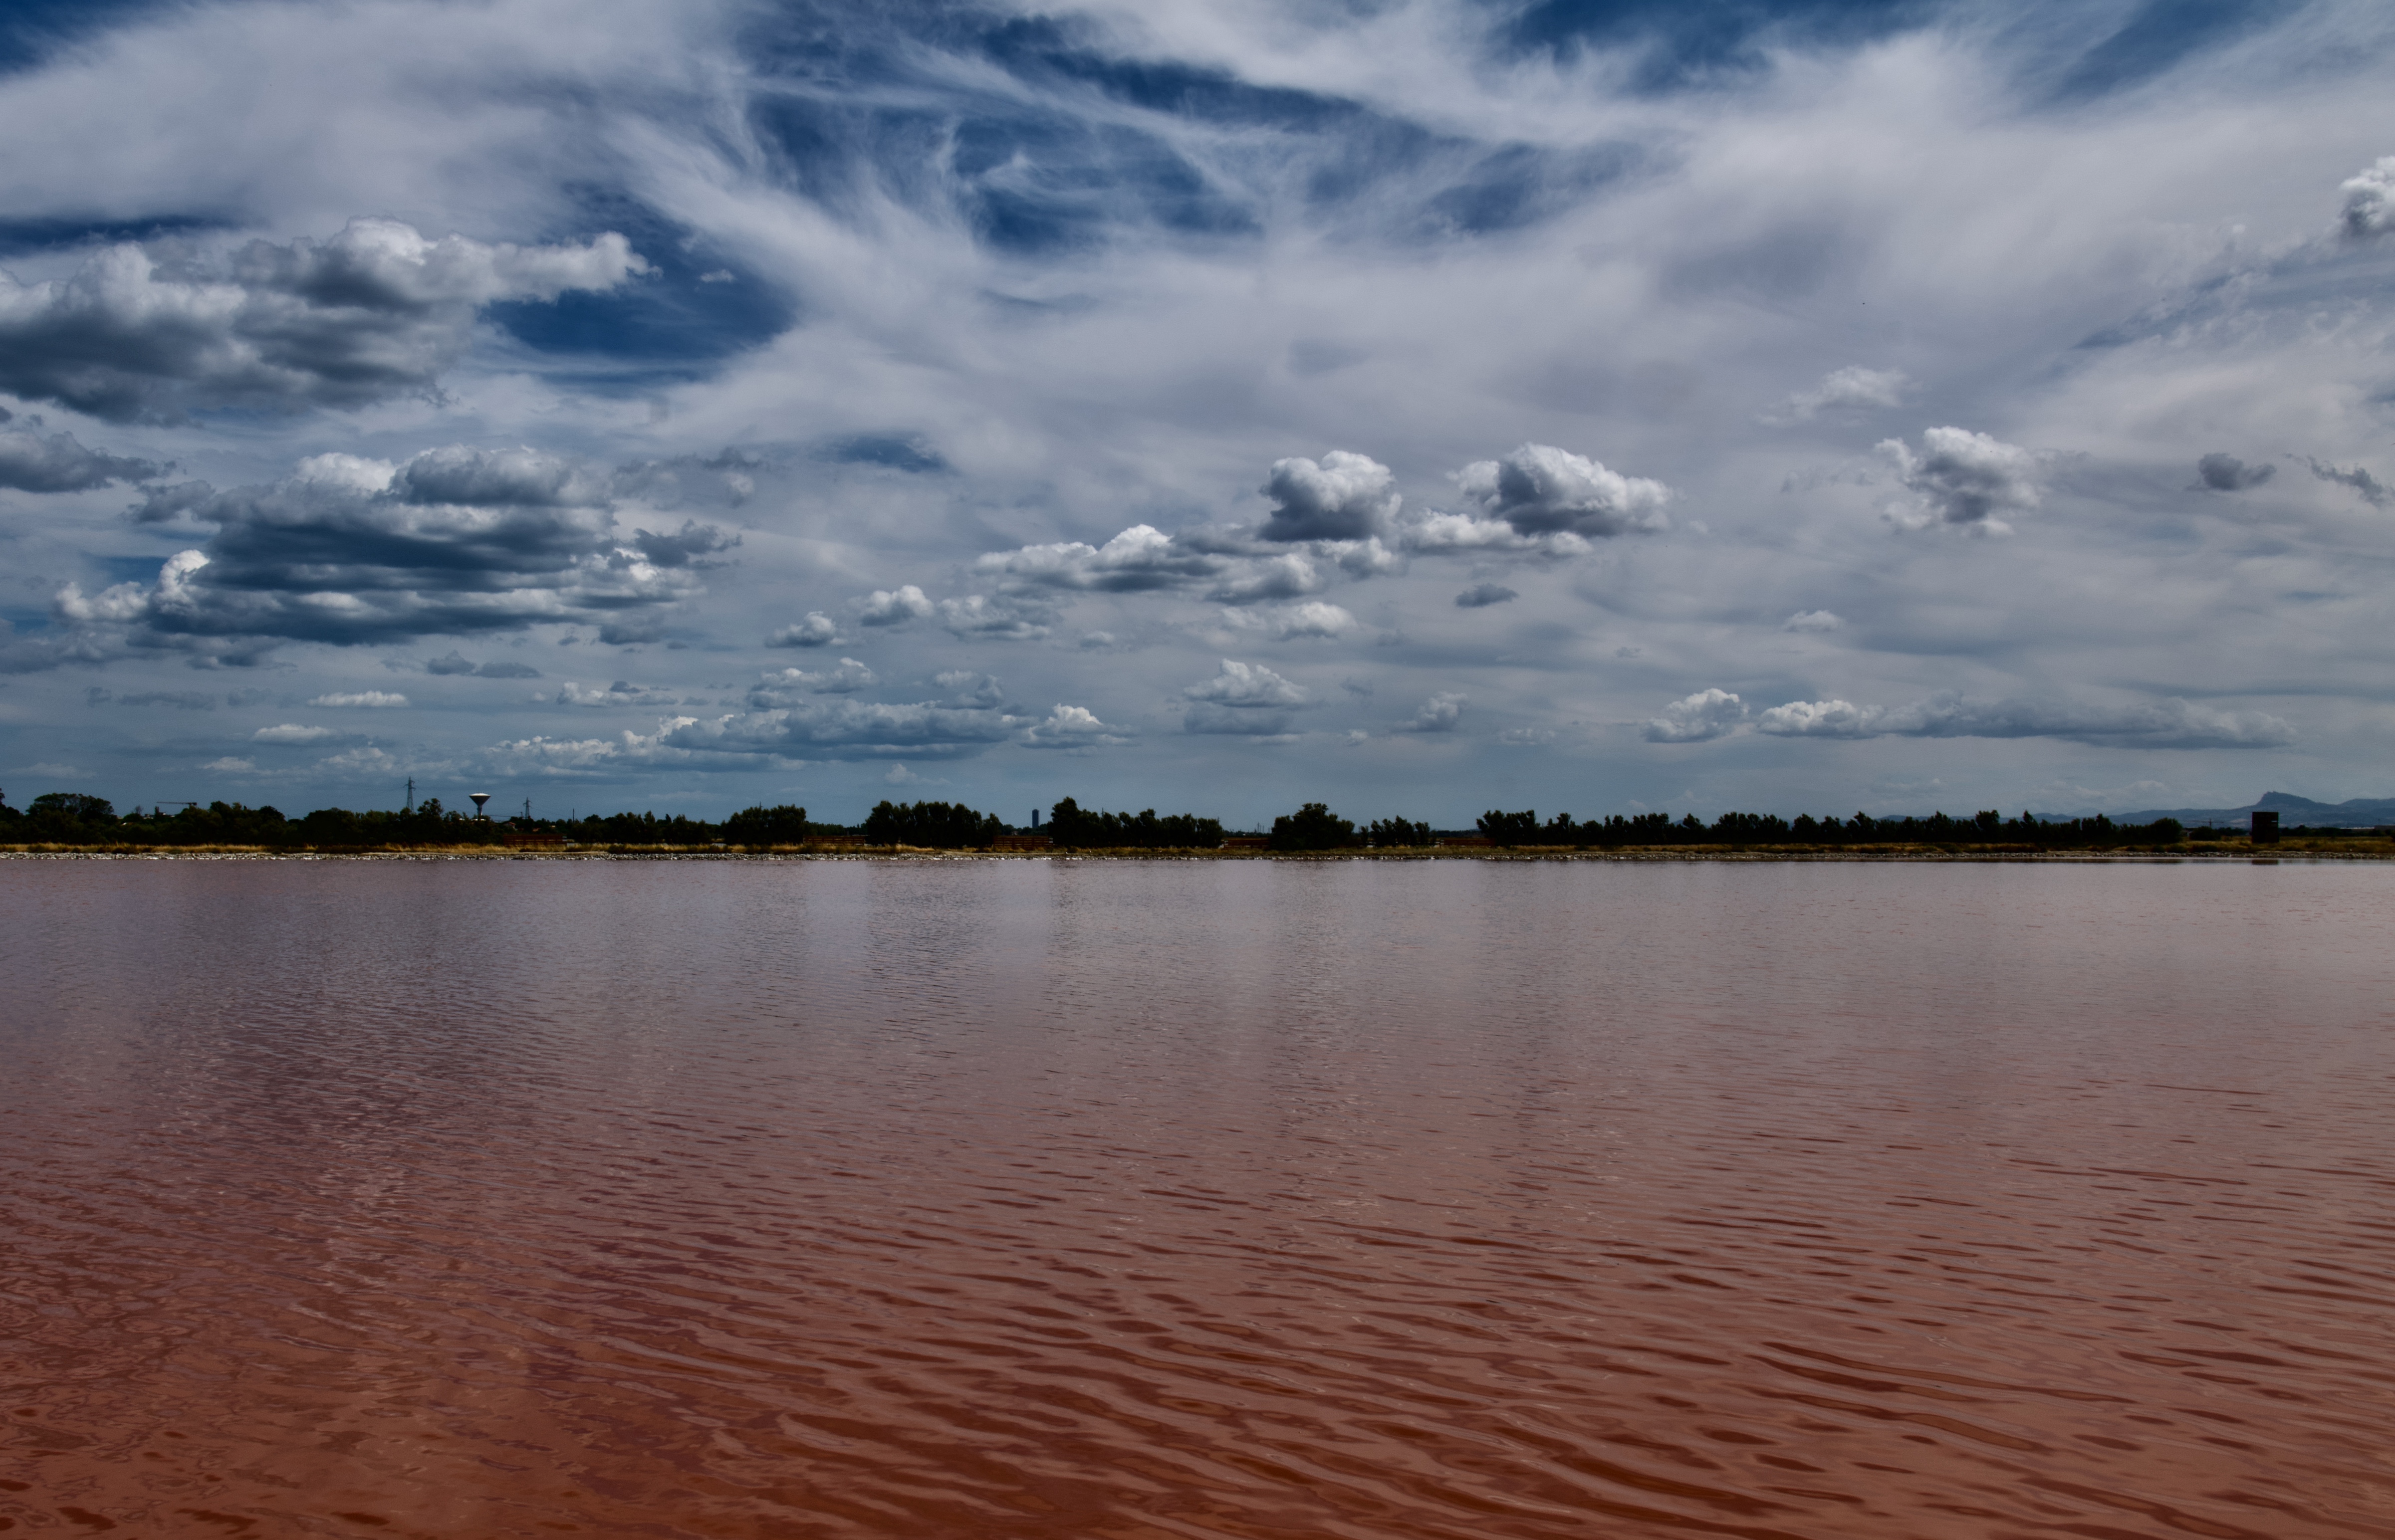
(372, 700)
(783, 686)
(1140, 558)
(348, 550)
(1964, 478)
(295, 732)
(31, 463)
(1243, 699)
(1071, 726)
(2370, 199)
(2371, 490)
(892, 607)
(1698, 718)
(1313, 619)
(1344, 496)
(2227, 473)
(980, 616)
(2153, 724)
(377, 312)
(1286, 576)
(1846, 388)
(1481, 595)
(1813, 621)
(817, 630)
(1441, 712)
(1542, 489)
(229, 765)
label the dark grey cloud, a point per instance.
(847, 729)
(2373, 491)
(31, 463)
(1482, 595)
(1344, 496)
(2370, 199)
(457, 541)
(2219, 472)
(454, 662)
(783, 686)
(377, 312)
(179, 700)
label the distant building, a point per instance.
(2266, 828)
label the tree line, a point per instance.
(79, 820)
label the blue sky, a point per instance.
(1420, 406)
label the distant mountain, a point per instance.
(2363, 812)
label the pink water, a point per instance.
(1180, 1200)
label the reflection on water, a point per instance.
(1176, 1200)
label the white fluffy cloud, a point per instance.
(1342, 496)
(1442, 713)
(371, 700)
(377, 312)
(1964, 478)
(1072, 727)
(1698, 718)
(1812, 621)
(817, 630)
(782, 686)
(1244, 699)
(1542, 489)
(893, 606)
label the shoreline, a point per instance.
(1665, 854)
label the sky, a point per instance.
(1421, 406)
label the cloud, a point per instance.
(1286, 576)
(783, 686)
(1072, 727)
(2373, 491)
(1315, 618)
(1965, 479)
(377, 312)
(845, 729)
(817, 630)
(376, 699)
(1141, 559)
(1481, 595)
(31, 463)
(980, 616)
(1851, 387)
(1344, 496)
(456, 663)
(231, 766)
(888, 607)
(293, 733)
(181, 700)
(2227, 473)
(1812, 621)
(351, 551)
(2155, 724)
(619, 694)
(1698, 718)
(2370, 199)
(1441, 712)
(1247, 686)
(1542, 489)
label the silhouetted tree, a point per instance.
(1312, 828)
(1387, 832)
(933, 825)
(1521, 828)
(763, 826)
(1073, 827)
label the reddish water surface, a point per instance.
(1159, 1199)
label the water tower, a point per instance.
(480, 797)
